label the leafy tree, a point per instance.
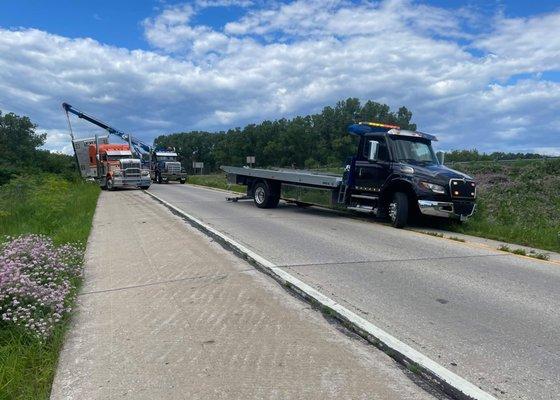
(20, 153)
(18, 139)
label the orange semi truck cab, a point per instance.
(115, 167)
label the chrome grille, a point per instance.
(131, 169)
(461, 188)
(132, 172)
(173, 167)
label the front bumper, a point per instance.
(132, 182)
(169, 176)
(446, 209)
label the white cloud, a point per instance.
(525, 44)
(287, 59)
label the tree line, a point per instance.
(302, 142)
(475, 155)
(20, 152)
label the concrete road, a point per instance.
(490, 317)
(165, 313)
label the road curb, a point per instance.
(434, 373)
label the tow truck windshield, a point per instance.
(414, 151)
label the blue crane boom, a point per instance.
(125, 136)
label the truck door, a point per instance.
(373, 165)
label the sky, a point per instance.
(478, 74)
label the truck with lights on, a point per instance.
(394, 174)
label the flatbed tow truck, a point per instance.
(394, 174)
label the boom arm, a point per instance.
(125, 136)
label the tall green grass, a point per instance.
(49, 205)
(518, 202)
(63, 210)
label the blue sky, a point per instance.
(477, 73)
(118, 22)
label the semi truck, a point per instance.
(116, 167)
(164, 167)
(394, 174)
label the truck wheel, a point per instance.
(110, 184)
(263, 197)
(398, 210)
(182, 180)
(158, 178)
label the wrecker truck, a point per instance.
(394, 174)
(113, 165)
(164, 166)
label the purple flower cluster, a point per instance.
(36, 282)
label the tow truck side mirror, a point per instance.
(441, 157)
(373, 150)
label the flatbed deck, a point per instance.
(298, 176)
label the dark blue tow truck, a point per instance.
(394, 174)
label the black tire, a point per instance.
(263, 197)
(158, 178)
(110, 184)
(182, 181)
(398, 210)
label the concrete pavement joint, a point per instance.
(210, 277)
(389, 261)
(434, 373)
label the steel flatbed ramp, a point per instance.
(321, 179)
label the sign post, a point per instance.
(251, 161)
(198, 165)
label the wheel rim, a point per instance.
(259, 195)
(109, 184)
(393, 211)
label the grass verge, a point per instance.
(216, 181)
(518, 202)
(63, 210)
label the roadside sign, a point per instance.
(197, 165)
(250, 159)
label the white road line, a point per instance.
(451, 382)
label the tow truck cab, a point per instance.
(396, 172)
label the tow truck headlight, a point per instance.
(433, 187)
